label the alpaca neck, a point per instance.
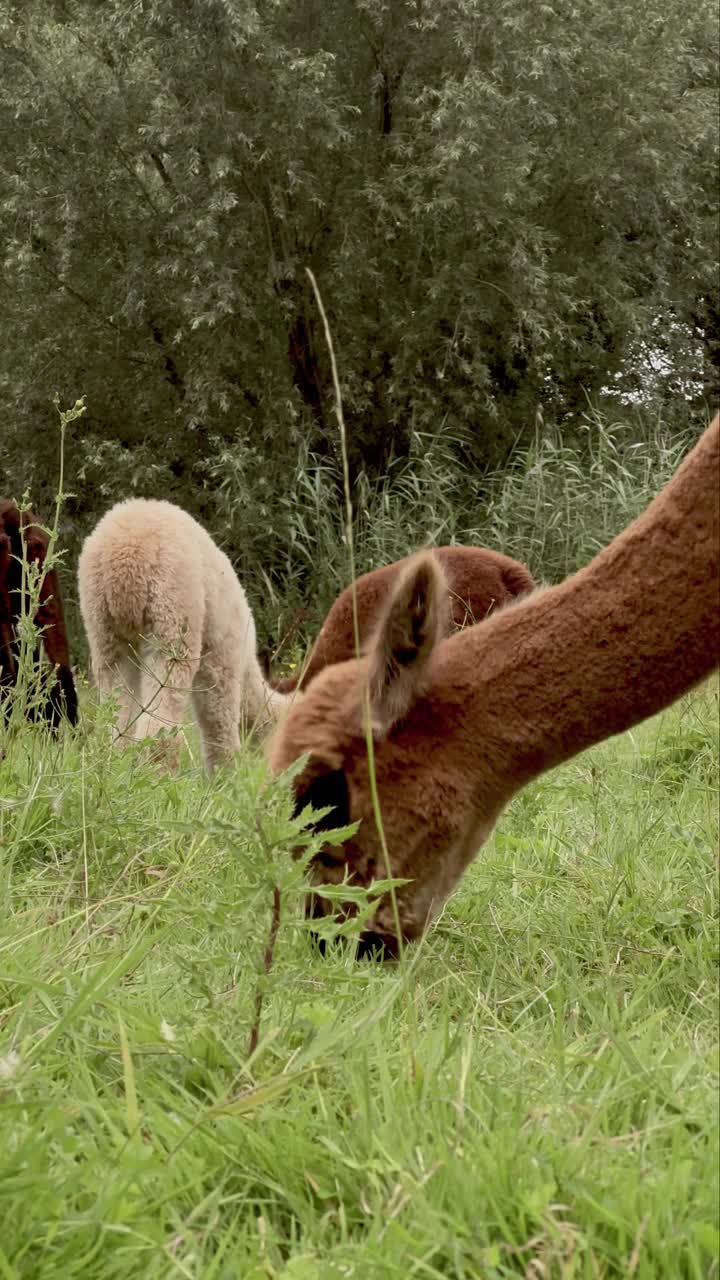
(615, 643)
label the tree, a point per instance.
(497, 201)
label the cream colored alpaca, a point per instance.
(462, 723)
(168, 621)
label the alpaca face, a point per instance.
(421, 767)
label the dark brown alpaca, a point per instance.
(460, 724)
(19, 531)
(8, 668)
(478, 581)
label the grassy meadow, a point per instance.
(532, 1092)
(189, 1089)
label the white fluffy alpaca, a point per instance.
(167, 620)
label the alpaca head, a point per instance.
(440, 733)
(330, 723)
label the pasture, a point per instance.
(503, 220)
(531, 1092)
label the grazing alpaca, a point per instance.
(167, 620)
(8, 667)
(22, 537)
(478, 581)
(461, 724)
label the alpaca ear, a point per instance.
(416, 618)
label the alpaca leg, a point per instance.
(128, 686)
(168, 668)
(106, 647)
(261, 705)
(116, 671)
(114, 668)
(216, 703)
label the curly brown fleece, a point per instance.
(478, 581)
(22, 536)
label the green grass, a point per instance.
(531, 1093)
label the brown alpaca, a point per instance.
(461, 724)
(478, 581)
(21, 534)
(8, 667)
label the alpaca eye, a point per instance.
(327, 790)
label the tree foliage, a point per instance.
(498, 202)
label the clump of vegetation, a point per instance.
(531, 1091)
(554, 505)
